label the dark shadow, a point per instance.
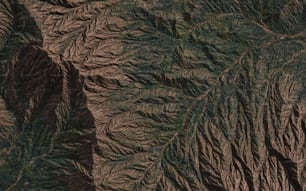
(55, 134)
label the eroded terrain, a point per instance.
(153, 95)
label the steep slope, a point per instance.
(156, 95)
(47, 132)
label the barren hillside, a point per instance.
(153, 95)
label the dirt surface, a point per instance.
(145, 95)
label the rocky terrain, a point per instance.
(153, 95)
